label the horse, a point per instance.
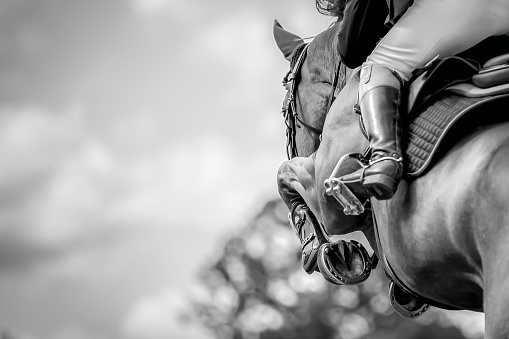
(445, 233)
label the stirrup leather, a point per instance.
(395, 157)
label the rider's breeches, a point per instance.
(432, 28)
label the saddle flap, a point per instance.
(471, 91)
(492, 76)
(437, 76)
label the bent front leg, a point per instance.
(295, 180)
(295, 185)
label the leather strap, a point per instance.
(289, 110)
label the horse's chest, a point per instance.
(424, 254)
(428, 261)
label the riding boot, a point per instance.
(379, 93)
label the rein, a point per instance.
(289, 110)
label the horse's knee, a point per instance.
(286, 180)
(282, 173)
(285, 176)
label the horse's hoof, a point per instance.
(344, 262)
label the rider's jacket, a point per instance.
(365, 23)
(396, 9)
(362, 27)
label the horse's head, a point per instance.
(318, 77)
(318, 134)
(309, 84)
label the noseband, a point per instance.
(289, 111)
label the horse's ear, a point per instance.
(286, 41)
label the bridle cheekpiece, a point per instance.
(289, 110)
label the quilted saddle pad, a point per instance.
(426, 130)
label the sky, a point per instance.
(135, 137)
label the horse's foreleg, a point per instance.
(295, 185)
(295, 180)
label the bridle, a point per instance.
(289, 111)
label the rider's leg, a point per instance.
(428, 29)
(432, 28)
(379, 90)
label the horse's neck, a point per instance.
(341, 123)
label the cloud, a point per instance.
(67, 195)
(174, 9)
(54, 189)
(151, 6)
(160, 316)
(32, 143)
(177, 140)
(76, 332)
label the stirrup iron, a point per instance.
(400, 309)
(339, 190)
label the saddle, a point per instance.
(444, 101)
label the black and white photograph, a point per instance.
(285, 169)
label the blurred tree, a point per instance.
(257, 289)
